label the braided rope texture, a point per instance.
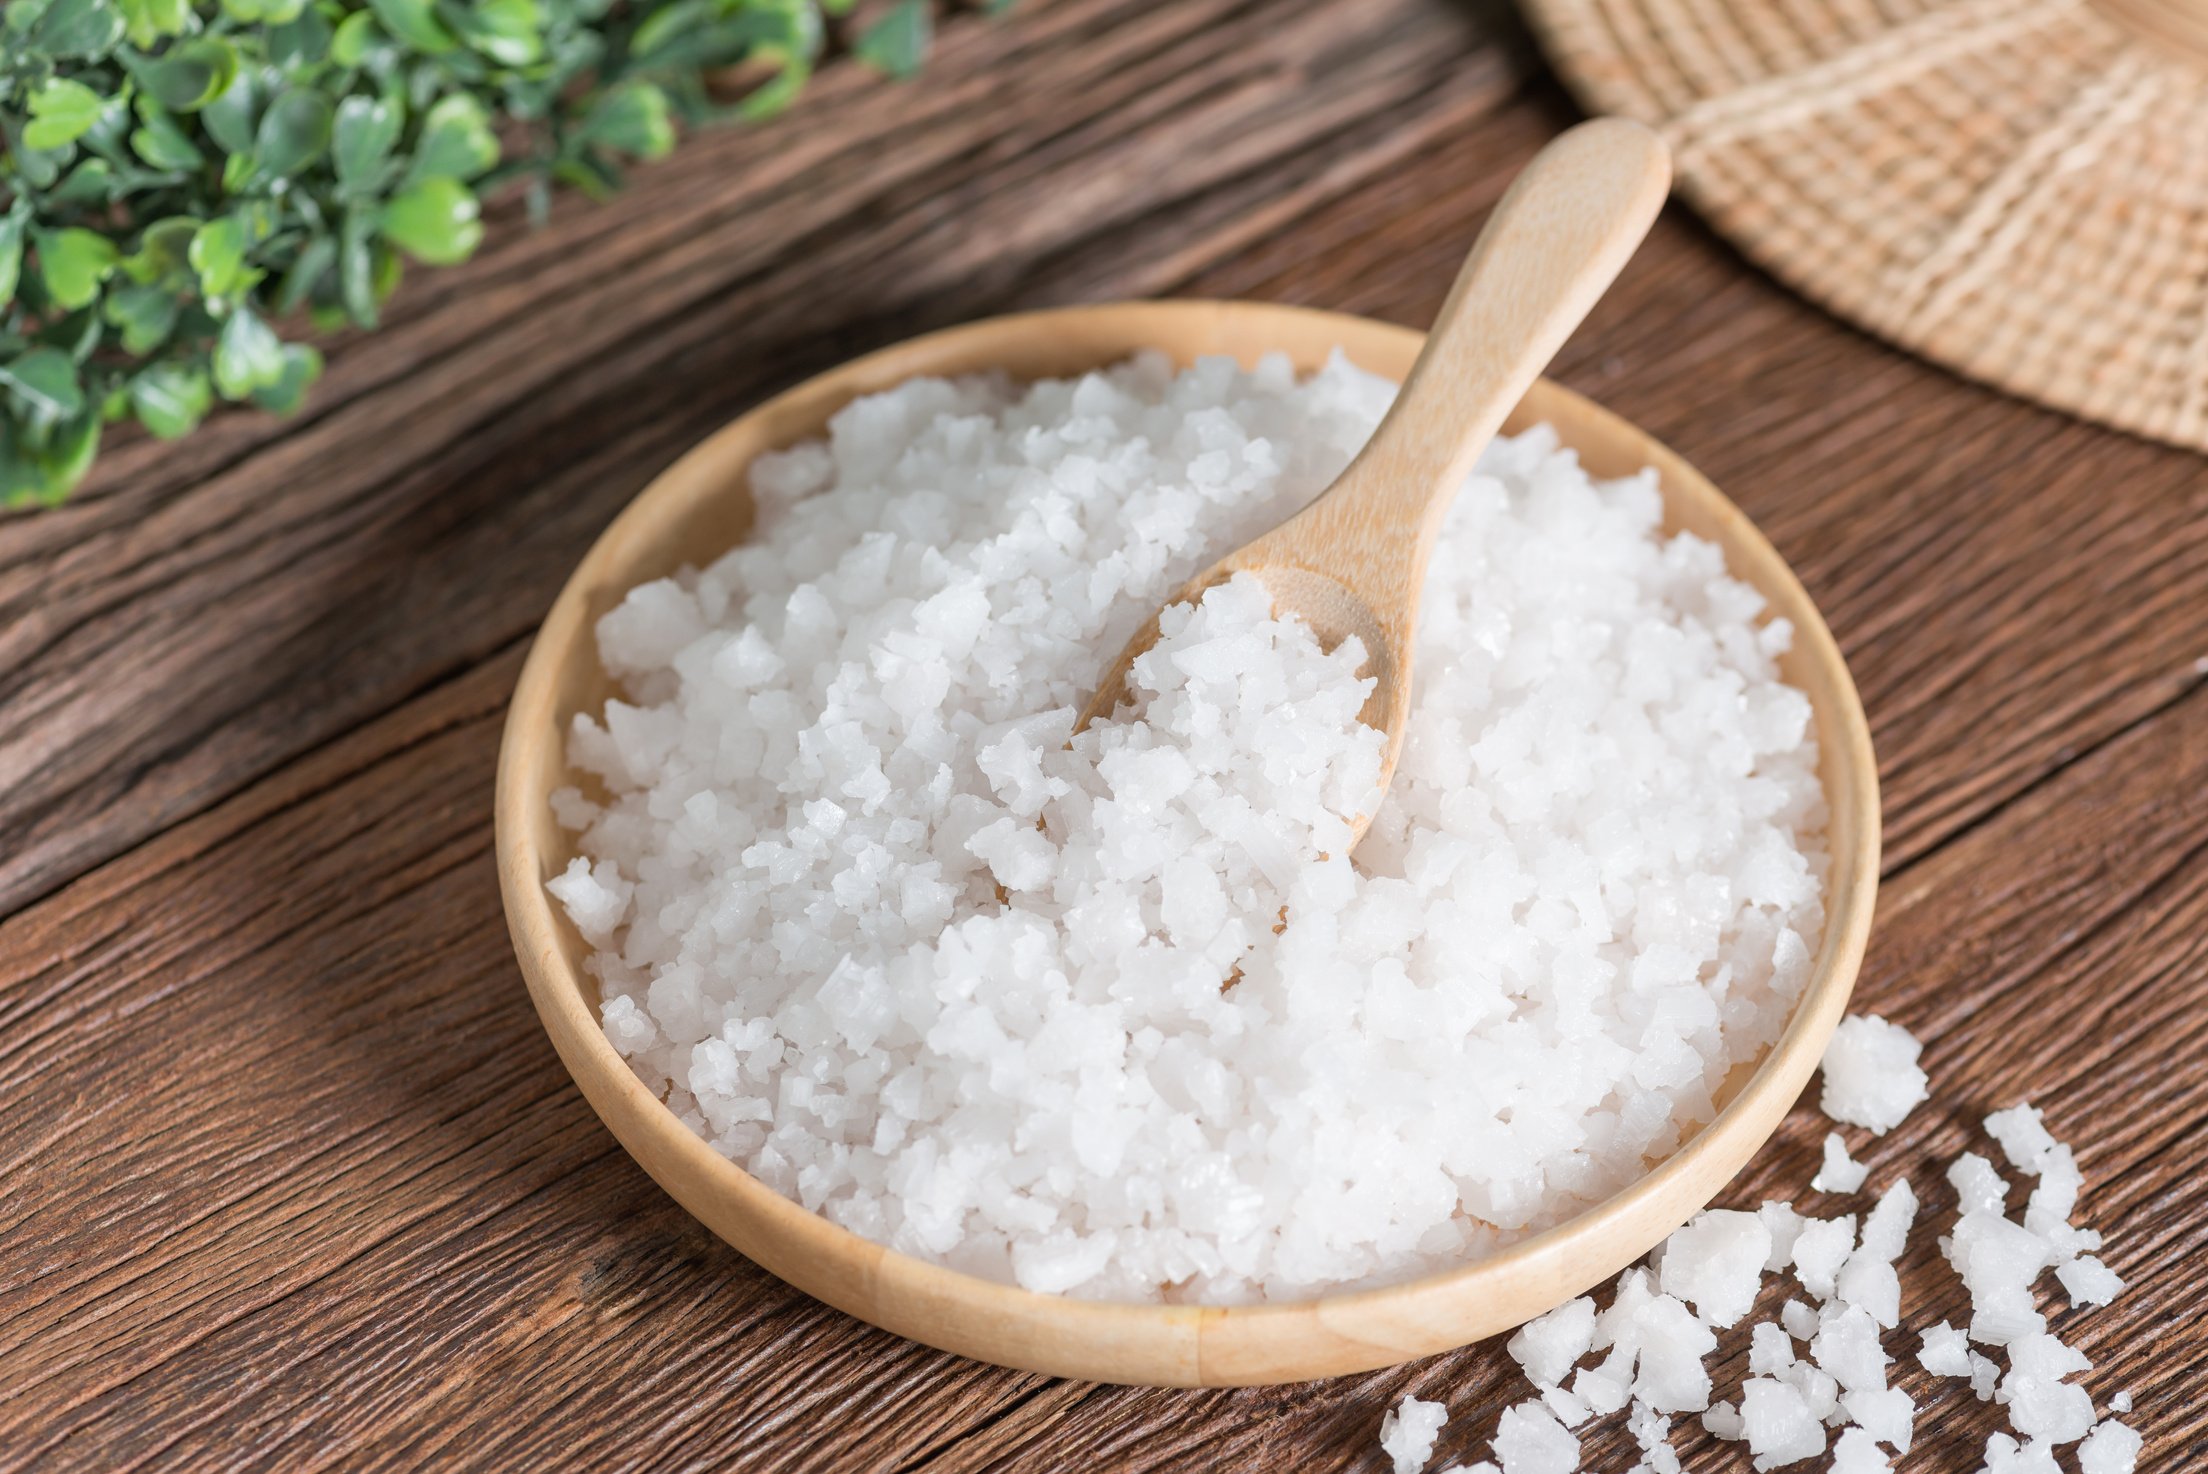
(2017, 189)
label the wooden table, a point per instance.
(292, 1178)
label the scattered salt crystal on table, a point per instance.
(1529, 1440)
(1778, 1424)
(2004, 1455)
(1872, 1078)
(1946, 1351)
(2110, 1448)
(1120, 1017)
(1716, 1262)
(1840, 1173)
(2023, 1136)
(2042, 1406)
(1820, 1252)
(2121, 1402)
(1857, 1452)
(1410, 1430)
(1547, 1347)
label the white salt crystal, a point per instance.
(1978, 1185)
(2042, 1406)
(1672, 1343)
(1569, 1407)
(1985, 1376)
(1821, 1250)
(1886, 1413)
(1857, 1452)
(2004, 1455)
(2087, 1281)
(2111, 1448)
(1819, 1388)
(1871, 1285)
(1529, 1440)
(1716, 1264)
(1847, 1346)
(1723, 1421)
(1770, 1350)
(1886, 1229)
(1777, 1422)
(1547, 1347)
(1998, 1260)
(1784, 1226)
(1652, 1431)
(1840, 1173)
(1871, 1074)
(1602, 1391)
(2121, 1402)
(2023, 1136)
(1945, 1351)
(1799, 1318)
(1409, 1431)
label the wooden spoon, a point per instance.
(1353, 562)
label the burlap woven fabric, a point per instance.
(2017, 189)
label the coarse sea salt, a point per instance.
(1118, 1016)
(1836, 1401)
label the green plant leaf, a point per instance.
(44, 382)
(164, 250)
(218, 254)
(301, 42)
(354, 35)
(415, 23)
(434, 221)
(312, 264)
(75, 28)
(144, 315)
(69, 455)
(147, 21)
(61, 112)
(160, 142)
(633, 119)
(509, 32)
(356, 267)
(231, 118)
(898, 42)
(367, 130)
(189, 76)
(264, 12)
(171, 398)
(12, 227)
(456, 143)
(302, 366)
(73, 263)
(248, 355)
(293, 132)
(90, 183)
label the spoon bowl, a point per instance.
(701, 506)
(1352, 563)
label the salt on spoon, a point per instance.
(1353, 561)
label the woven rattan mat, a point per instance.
(2017, 189)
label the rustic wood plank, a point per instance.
(288, 1176)
(293, 1177)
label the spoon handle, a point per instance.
(1553, 245)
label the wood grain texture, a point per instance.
(289, 1176)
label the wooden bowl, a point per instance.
(700, 506)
